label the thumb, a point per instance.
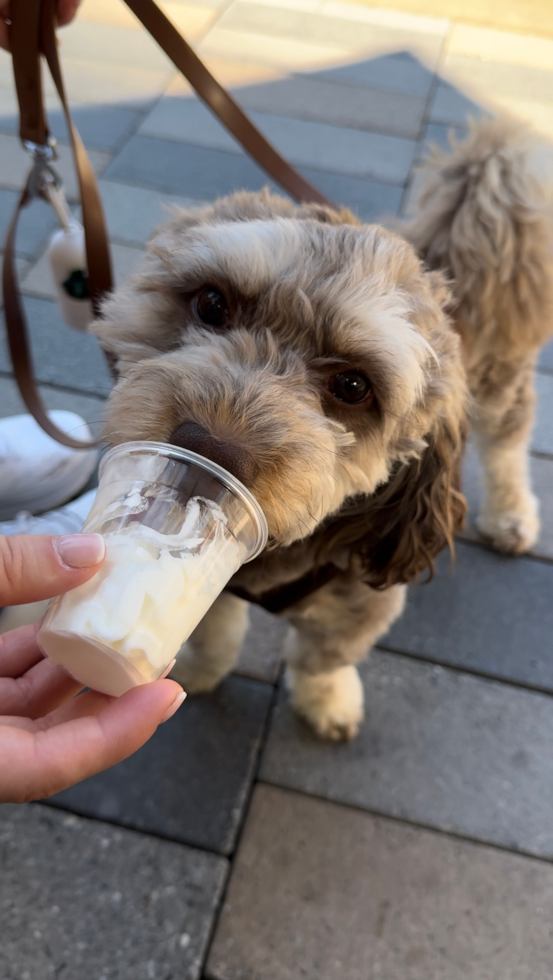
(34, 567)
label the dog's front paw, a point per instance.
(514, 531)
(195, 676)
(332, 703)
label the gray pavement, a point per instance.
(235, 845)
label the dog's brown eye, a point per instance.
(212, 307)
(350, 386)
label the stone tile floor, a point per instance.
(235, 846)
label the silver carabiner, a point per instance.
(45, 181)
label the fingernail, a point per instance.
(174, 706)
(80, 550)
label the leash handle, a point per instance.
(33, 32)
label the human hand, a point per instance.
(49, 738)
(66, 12)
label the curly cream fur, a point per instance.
(486, 221)
(374, 487)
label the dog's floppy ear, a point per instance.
(398, 531)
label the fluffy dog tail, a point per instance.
(483, 218)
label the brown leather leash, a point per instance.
(32, 35)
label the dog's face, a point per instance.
(305, 352)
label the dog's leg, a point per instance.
(213, 648)
(509, 511)
(331, 632)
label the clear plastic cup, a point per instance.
(177, 527)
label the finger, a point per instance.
(4, 35)
(89, 703)
(37, 692)
(37, 765)
(66, 11)
(19, 651)
(34, 566)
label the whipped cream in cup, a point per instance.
(177, 527)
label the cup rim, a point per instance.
(188, 456)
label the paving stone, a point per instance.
(342, 105)
(187, 121)
(191, 781)
(304, 143)
(95, 83)
(546, 357)
(306, 98)
(16, 165)
(107, 12)
(542, 436)
(542, 482)
(524, 93)
(537, 114)
(102, 127)
(206, 174)
(368, 199)
(354, 35)
(133, 213)
(260, 656)
(438, 747)
(234, 75)
(9, 116)
(451, 105)
(490, 613)
(89, 407)
(39, 281)
(22, 267)
(500, 80)
(502, 46)
(193, 21)
(106, 44)
(178, 168)
(192, 18)
(409, 207)
(36, 222)
(61, 356)
(382, 17)
(6, 70)
(87, 900)
(324, 891)
(402, 73)
(208, 4)
(281, 52)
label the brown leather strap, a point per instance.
(221, 104)
(18, 341)
(95, 229)
(33, 30)
(25, 44)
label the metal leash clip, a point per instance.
(44, 180)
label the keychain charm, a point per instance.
(67, 256)
(66, 251)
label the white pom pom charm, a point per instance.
(67, 256)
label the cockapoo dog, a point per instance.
(331, 365)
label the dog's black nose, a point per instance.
(191, 435)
